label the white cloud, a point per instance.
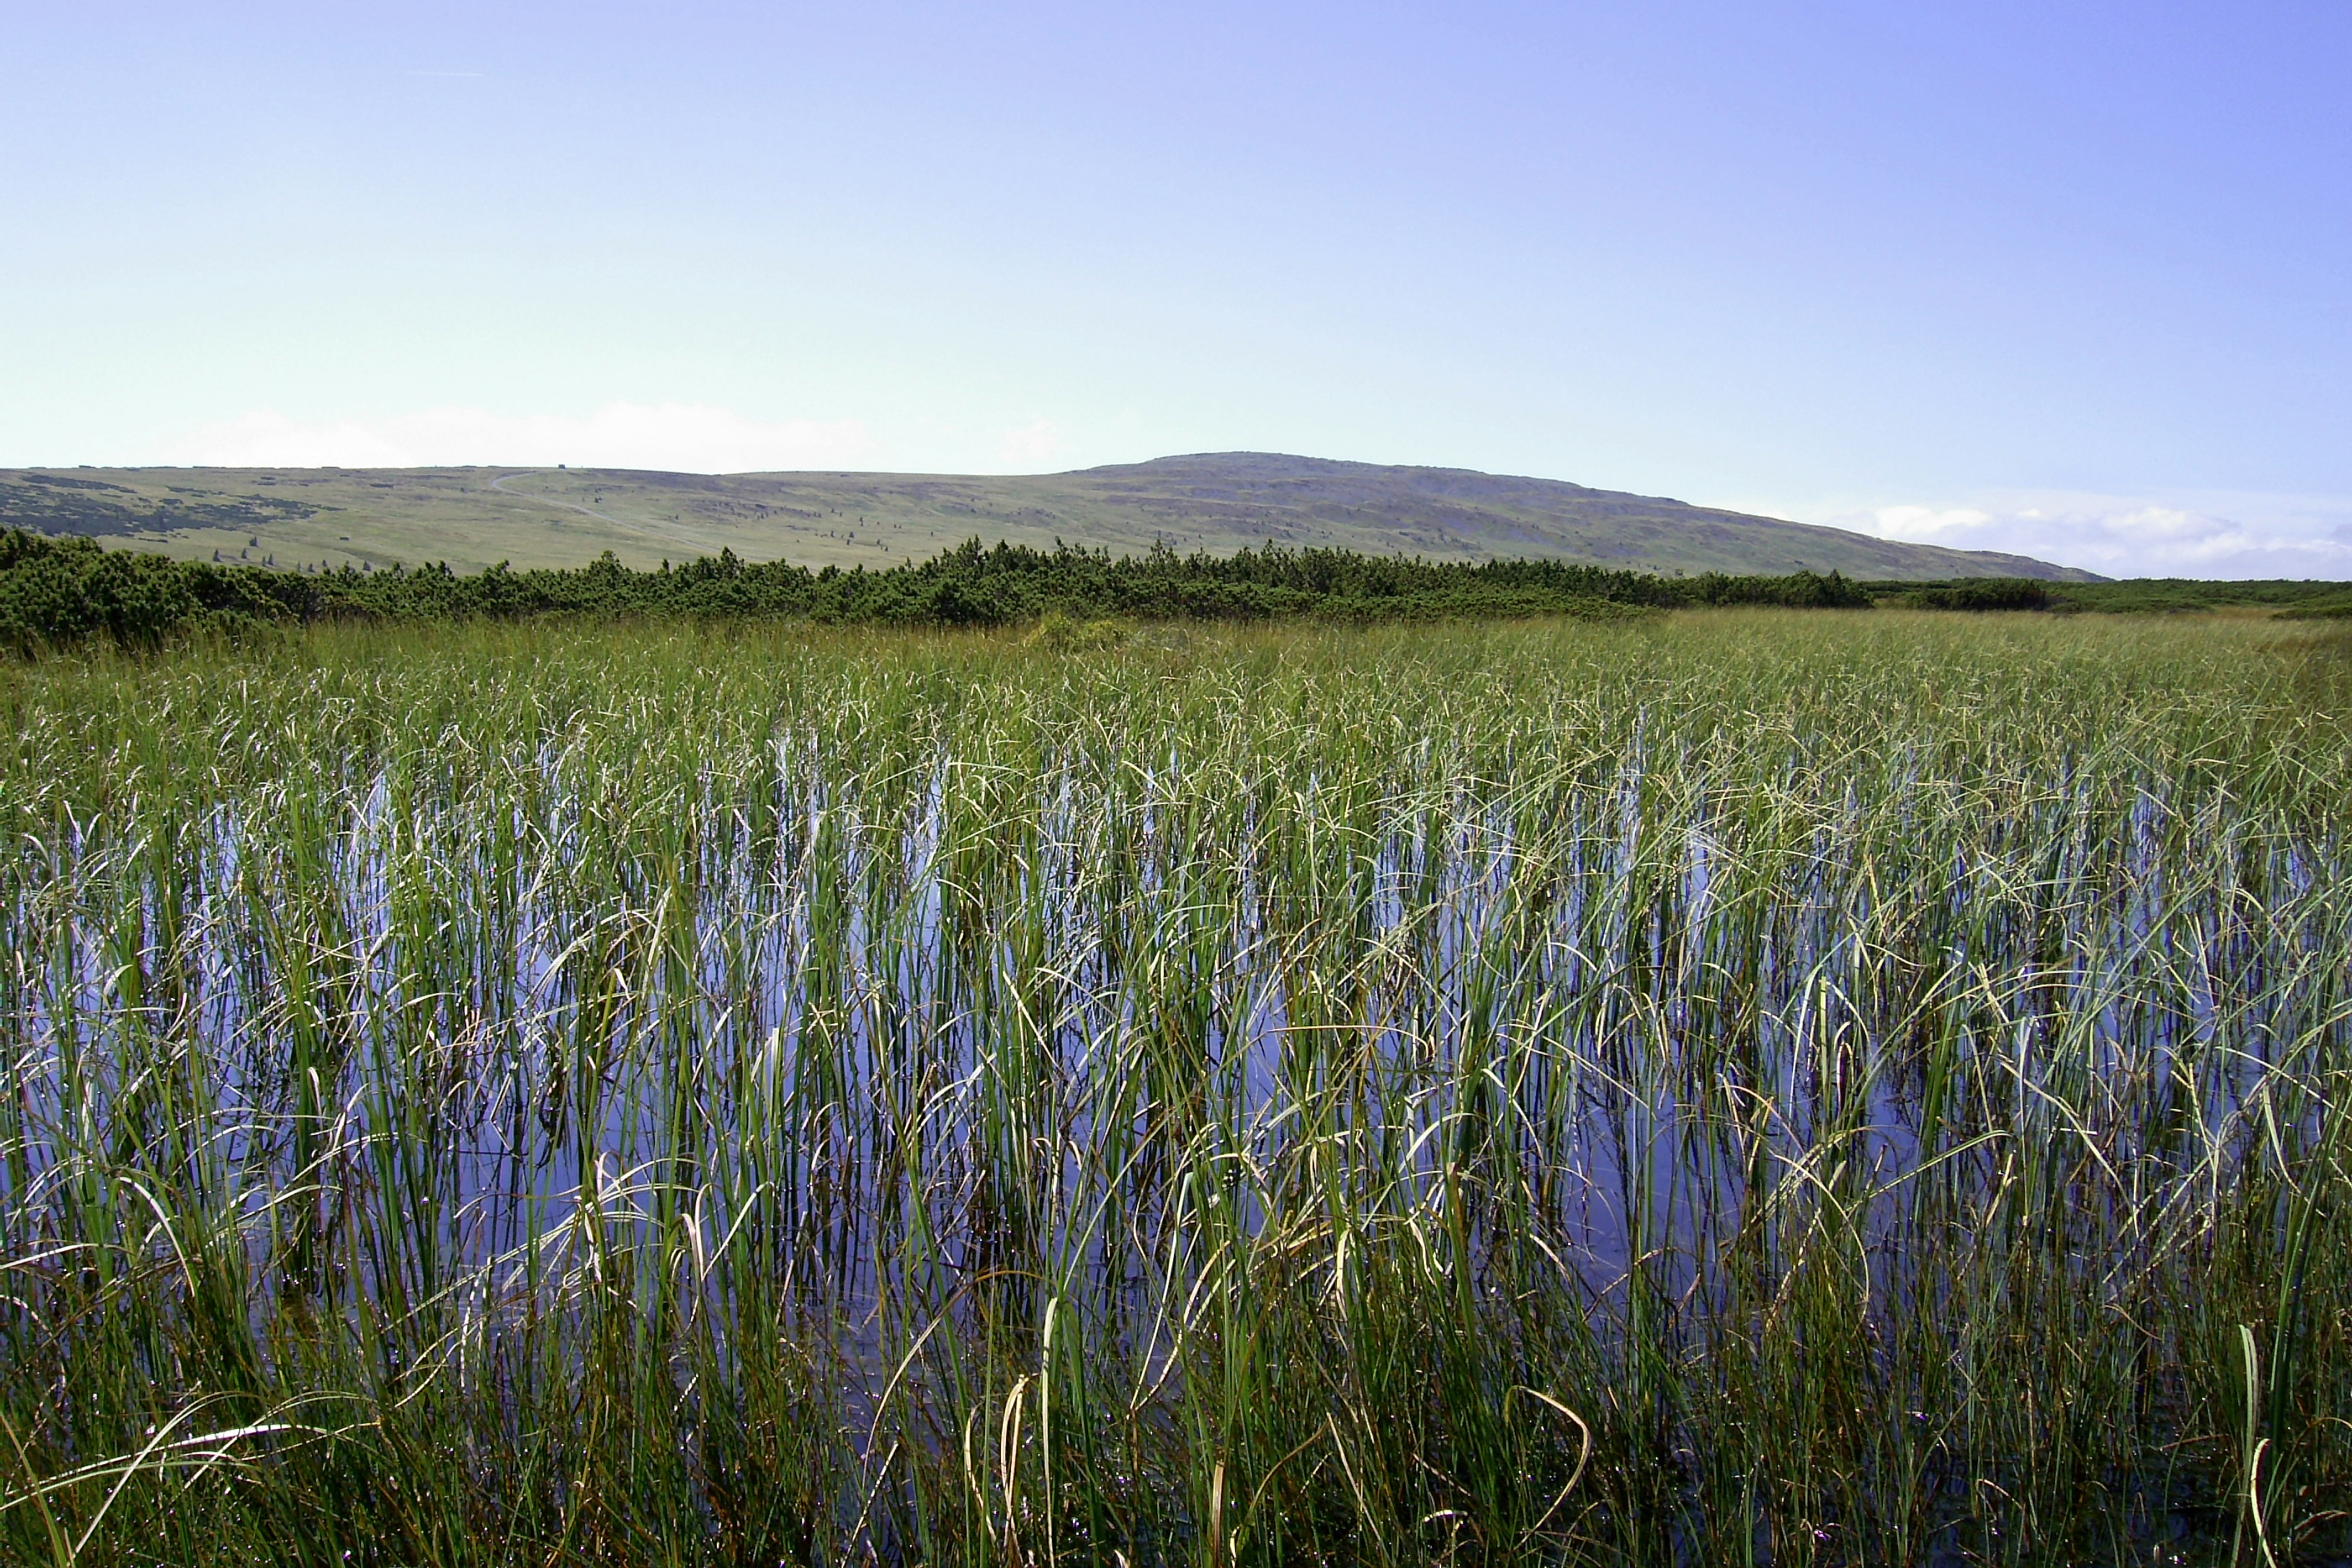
(2121, 536)
(1925, 525)
(1032, 446)
(683, 437)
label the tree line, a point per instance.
(59, 592)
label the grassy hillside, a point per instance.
(1218, 502)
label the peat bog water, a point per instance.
(1762, 1087)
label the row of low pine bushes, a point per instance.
(56, 592)
(2290, 598)
(61, 592)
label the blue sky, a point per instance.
(2069, 279)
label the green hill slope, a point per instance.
(1214, 501)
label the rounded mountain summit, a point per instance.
(1216, 502)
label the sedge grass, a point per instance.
(1743, 1086)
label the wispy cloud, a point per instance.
(686, 436)
(1032, 446)
(2124, 536)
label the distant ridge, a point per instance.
(1217, 501)
(1455, 513)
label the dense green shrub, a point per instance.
(1986, 594)
(56, 590)
(2132, 596)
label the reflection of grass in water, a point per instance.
(1854, 1087)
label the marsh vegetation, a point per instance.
(1732, 1086)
